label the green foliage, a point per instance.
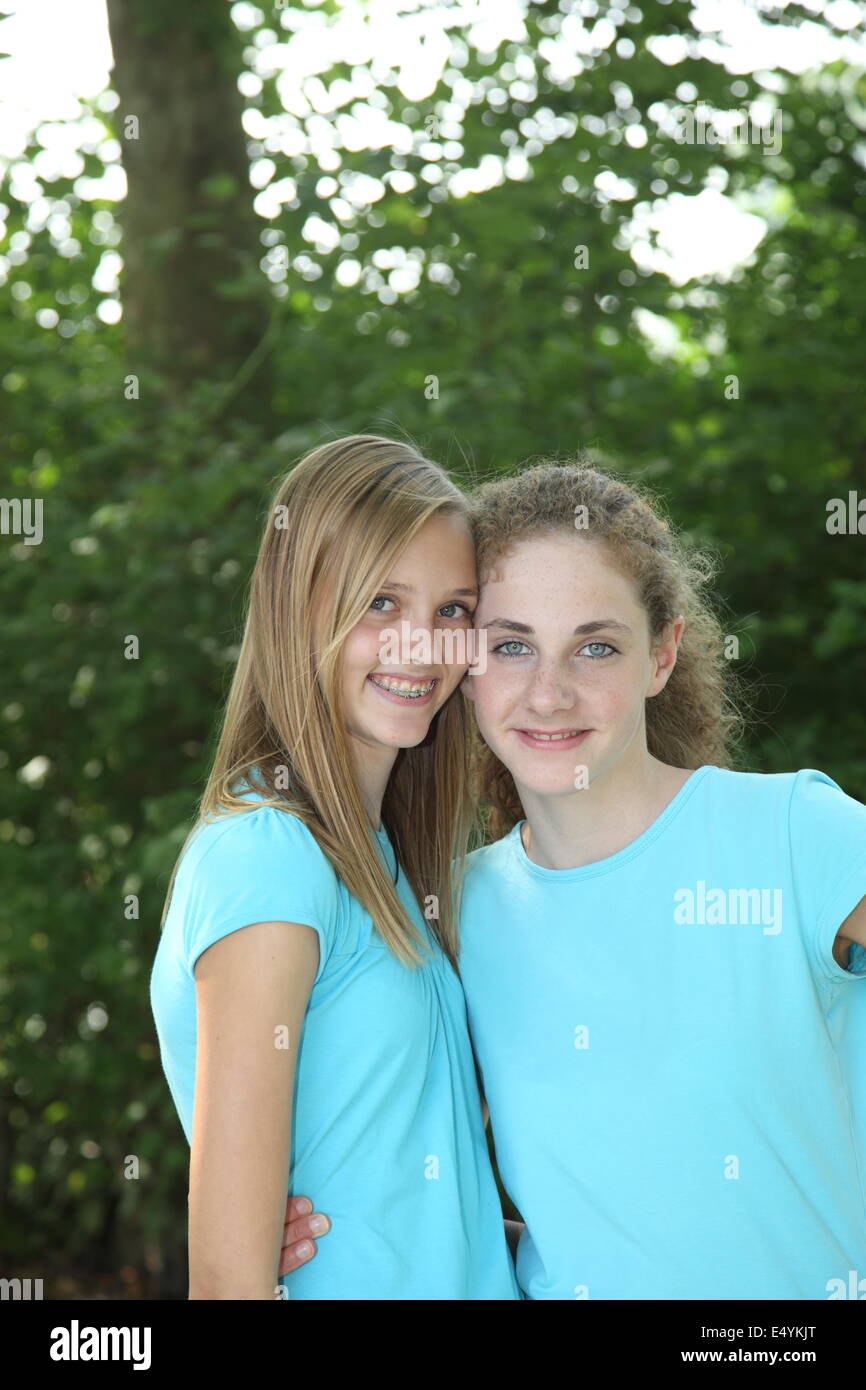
(152, 515)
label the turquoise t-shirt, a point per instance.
(387, 1133)
(674, 1062)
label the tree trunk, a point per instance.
(189, 227)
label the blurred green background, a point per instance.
(386, 288)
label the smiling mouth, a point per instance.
(406, 689)
(554, 737)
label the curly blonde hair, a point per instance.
(697, 717)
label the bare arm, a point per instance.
(252, 989)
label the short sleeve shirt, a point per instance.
(675, 1063)
(387, 1134)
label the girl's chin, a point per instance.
(545, 786)
(388, 736)
(545, 773)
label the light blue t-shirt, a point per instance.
(674, 1062)
(387, 1133)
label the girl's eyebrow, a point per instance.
(407, 588)
(600, 625)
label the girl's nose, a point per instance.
(551, 689)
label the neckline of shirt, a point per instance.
(615, 861)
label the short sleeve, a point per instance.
(257, 866)
(827, 831)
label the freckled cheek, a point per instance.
(609, 692)
(496, 690)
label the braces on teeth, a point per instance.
(410, 692)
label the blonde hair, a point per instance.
(695, 718)
(337, 522)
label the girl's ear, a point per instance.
(665, 655)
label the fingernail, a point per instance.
(318, 1225)
(305, 1206)
(304, 1249)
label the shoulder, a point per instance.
(257, 833)
(771, 783)
(261, 864)
(810, 785)
(808, 792)
(768, 785)
(821, 811)
(483, 866)
(264, 852)
(488, 858)
(770, 792)
(804, 803)
(488, 882)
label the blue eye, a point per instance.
(380, 598)
(455, 604)
(611, 651)
(512, 642)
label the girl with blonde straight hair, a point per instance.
(324, 1047)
